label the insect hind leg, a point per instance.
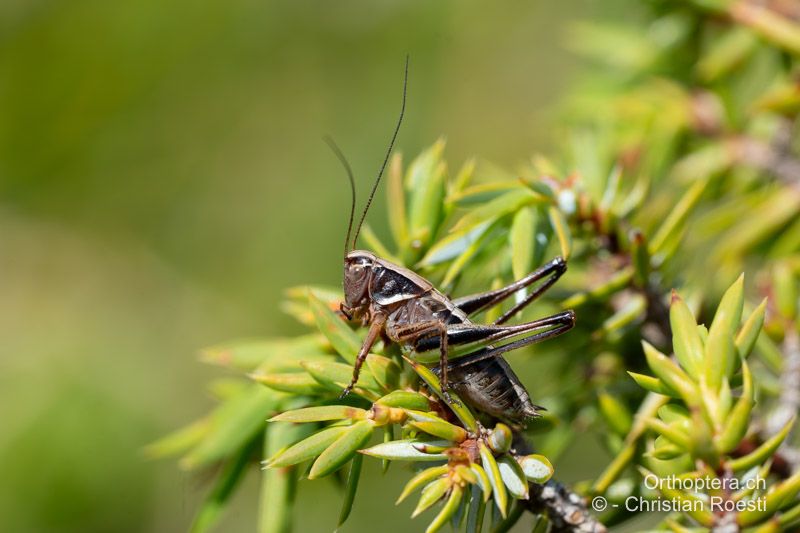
(462, 334)
(563, 322)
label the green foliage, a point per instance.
(678, 172)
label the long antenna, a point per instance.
(343, 160)
(386, 159)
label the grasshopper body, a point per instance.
(403, 307)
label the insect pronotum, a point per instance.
(404, 307)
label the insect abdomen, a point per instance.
(491, 386)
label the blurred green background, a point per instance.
(162, 179)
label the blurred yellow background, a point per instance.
(162, 179)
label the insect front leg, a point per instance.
(478, 302)
(375, 329)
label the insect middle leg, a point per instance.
(415, 334)
(478, 302)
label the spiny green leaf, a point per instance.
(697, 508)
(747, 337)
(426, 183)
(307, 448)
(506, 524)
(321, 413)
(439, 428)
(296, 305)
(454, 245)
(422, 478)
(226, 388)
(504, 204)
(462, 179)
(522, 240)
(613, 44)
(721, 352)
(769, 353)
(784, 285)
(736, 424)
(217, 500)
(448, 510)
(648, 408)
(374, 243)
(612, 188)
(341, 337)
(675, 414)
(674, 221)
(664, 450)
(631, 312)
(500, 438)
(640, 256)
(670, 374)
(406, 400)
(388, 436)
(278, 485)
(726, 53)
(481, 480)
(403, 450)
(495, 479)
(431, 494)
(653, 384)
(763, 452)
(669, 432)
(466, 473)
(477, 508)
(790, 517)
(686, 340)
(385, 371)
(180, 440)
(459, 409)
(466, 256)
(769, 24)
(342, 449)
(784, 98)
(396, 201)
(339, 373)
(233, 423)
(725, 399)
(433, 446)
(602, 292)
(513, 477)
(760, 224)
(353, 476)
(248, 354)
(291, 382)
(561, 230)
(537, 468)
(778, 498)
(482, 193)
(542, 234)
(615, 413)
